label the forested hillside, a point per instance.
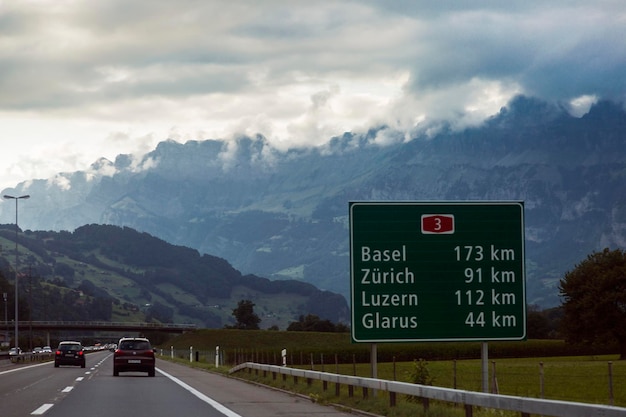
(113, 273)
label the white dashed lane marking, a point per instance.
(41, 410)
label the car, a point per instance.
(69, 353)
(38, 349)
(134, 354)
(46, 349)
(15, 351)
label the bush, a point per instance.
(419, 374)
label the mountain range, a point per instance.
(284, 214)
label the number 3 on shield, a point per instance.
(433, 224)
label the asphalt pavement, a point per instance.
(248, 399)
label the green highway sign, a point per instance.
(437, 271)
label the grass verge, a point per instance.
(578, 379)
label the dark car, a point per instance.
(133, 354)
(69, 353)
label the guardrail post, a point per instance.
(469, 411)
(454, 373)
(350, 391)
(611, 399)
(392, 399)
(337, 389)
(541, 379)
(365, 393)
(494, 384)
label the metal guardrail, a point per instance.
(31, 357)
(469, 399)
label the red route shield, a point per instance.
(436, 224)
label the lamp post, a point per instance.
(6, 323)
(10, 197)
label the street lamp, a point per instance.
(6, 323)
(10, 197)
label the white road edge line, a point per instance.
(41, 410)
(24, 367)
(219, 407)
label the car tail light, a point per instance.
(58, 352)
(81, 353)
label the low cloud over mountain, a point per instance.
(283, 214)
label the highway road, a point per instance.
(176, 390)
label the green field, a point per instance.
(572, 378)
(580, 377)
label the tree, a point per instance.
(543, 324)
(311, 323)
(160, 312)
(245, 316)
(65, 271)
(595, 300)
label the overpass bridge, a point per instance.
(99, 326)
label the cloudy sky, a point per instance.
(81, 80)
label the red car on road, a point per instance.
(133, 354)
